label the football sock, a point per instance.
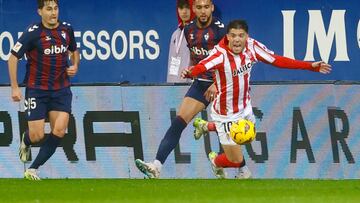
(211, 126)
(222, 161)
(27, 140)
(171, 139)
(47, 149)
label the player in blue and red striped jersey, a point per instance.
(47, 45)
(201, 35)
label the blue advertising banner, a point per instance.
(303, 131)
(129, 40)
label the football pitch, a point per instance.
(179, 190)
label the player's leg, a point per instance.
(193, 102)
(59, 107)
(188, 109)
(34, 134)
(35, 113)
(58, 121)
(232, 156)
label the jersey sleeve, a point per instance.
(72, 43)
(213, 61)
(267, 56)
(24, 42)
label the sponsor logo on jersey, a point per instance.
(200, 51)
(17, 47)
(47, 38)
(55, 50)
(243, 69)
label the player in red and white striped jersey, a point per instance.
(232, 61)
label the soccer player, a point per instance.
(201, 35)
(232, 60)
(47, 45)
(179, 54)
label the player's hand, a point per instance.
(185, 73)
(210, 93)
(16, 94)
(322, 67)
(72, 70)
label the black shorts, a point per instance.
(39, 102)
(197, 91)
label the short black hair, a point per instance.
(182, 4)
(41, 3)
(238, 24)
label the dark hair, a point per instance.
(182, 4)
(238, 24)
(41, 3)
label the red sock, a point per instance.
(211, 126)
(222, 161)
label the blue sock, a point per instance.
(47, 149)
(171, 139)
(27, 140)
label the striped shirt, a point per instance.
(233, 71)
(201, 41)
(47, 55)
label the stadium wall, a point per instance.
(304, 131)
(131, 43)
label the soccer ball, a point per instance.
(242, 132)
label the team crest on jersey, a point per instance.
(63, 34)
(17, 47)
(206, 36)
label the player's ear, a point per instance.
(39, 12)
(212, 8)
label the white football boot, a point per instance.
(31, 174)
(244, 173)
(149, 169)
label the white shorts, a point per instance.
(223, 124)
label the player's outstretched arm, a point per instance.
(322, 67)
(15, 90)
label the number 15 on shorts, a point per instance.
(30, 103)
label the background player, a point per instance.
(233, 59)
(201, 36)
(47, 46)
(179, 54)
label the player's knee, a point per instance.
(237, 159)
(59, 132)
(36, 135)
(186, 116)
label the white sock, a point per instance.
(157, 164)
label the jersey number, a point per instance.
(30, 103)
(227, 126)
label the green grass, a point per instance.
(179, 190)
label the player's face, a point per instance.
(49, 14)
(184, 13)
(203, 10)
(237, 40)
